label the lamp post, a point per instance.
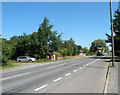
(113, 59)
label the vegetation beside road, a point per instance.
(12, 63)
(9, 64)
(40, 45)
(116, 26)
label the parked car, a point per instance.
(25, 59)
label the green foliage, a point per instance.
(106, 49)
(39, 44)
(69, 48)
(9, 64)
(59, 54)
(116, 26)
(97, 43)
(86, 51)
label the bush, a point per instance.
(59, 54)
(8, 62)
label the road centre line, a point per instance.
(41, 87)
(60, 65)
(67, 74)
(57, 79)
(75, 71)
(16, 76)
(56, 66)
(80, 68)
(84, 66)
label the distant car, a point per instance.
(25, 59)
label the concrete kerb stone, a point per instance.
(106, 79)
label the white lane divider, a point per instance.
(57, 79)
(55, 66)
(41, 87)
(84, 66)
(75, 71)
(80, 68)
(67, 74)
(16, 76)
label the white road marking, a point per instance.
(84, 66)
(56, 66)
(16, 76)
(75, 71)
(57, 79)
(80, 68)
(67, 74)
(75, 61)
(41, 87)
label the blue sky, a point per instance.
(84, 22)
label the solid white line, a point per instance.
(75, 71)
(40, 87)
(57, 79)
(67, 74)
(16, 76)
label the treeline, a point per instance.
(39, 44)
(116, 25)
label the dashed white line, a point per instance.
(41, 87)
(75, 71)
(75, 61)
(67, 74)
(80, 68)
(56, 66)
(16, 76)
(84, 66)
(57, 79)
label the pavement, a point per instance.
(112, 82)
(83, 75)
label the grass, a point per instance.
(12, 63)
(46, 60)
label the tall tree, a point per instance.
(116, 26)
(38, 44)
(97, 43)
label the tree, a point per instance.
(116, 26)
(97, 43)
(69, 48)
(85, 50)
(106, 49)
(39, 44)
(6, 50)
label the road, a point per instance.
(83, 75)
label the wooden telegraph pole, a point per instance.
(113, 59)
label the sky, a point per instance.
(82, 21)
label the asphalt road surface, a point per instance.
(83, 75)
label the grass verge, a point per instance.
(12, 63)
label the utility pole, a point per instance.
(113, 59)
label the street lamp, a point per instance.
(113, 59)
